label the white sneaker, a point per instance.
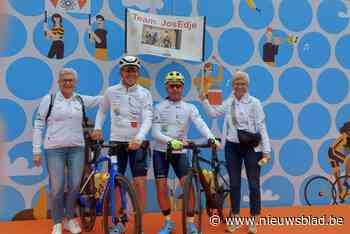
(233, 225)
(252, 229)
(72, 226)
(57, 229)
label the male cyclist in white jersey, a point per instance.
(171, 121)
(131, 119)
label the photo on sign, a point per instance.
(161, 37)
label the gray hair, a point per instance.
(241, 75)
(68, 71)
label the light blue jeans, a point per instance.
(57, 160)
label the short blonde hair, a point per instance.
(241, 75)
(65, 71)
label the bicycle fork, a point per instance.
(113, 184)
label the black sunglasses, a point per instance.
(178, 86)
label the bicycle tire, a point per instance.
(87, 211)
(319, 190)
(123, 183)
(192, 179)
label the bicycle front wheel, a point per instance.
(192, 202)
(127, 209)
(319, 190)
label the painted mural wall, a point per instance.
(295, 51)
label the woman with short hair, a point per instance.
(246, 140)
(62, 113)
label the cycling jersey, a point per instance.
(130, 110)
(172, 121)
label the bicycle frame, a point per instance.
(214, 163)
(112, 172)
(213, 200)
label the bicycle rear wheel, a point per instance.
(192, 202)
(128, 212)
(87, 206)
(319, 190)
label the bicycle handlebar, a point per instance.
(193, 146)
(97, 145)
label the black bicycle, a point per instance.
(215, 186)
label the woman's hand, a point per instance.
(135, 144)
(97, 135)
(265, 159)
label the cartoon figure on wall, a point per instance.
(209, 84)
(338, 153)
(272, 44)
(55, 25)
(270, 49)
(99, 37)
(56, 35)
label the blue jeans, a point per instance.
(57, 159)
(235, 154)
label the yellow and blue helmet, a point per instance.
(174, 77)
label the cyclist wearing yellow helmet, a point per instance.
(170, 124)
(174, 77)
